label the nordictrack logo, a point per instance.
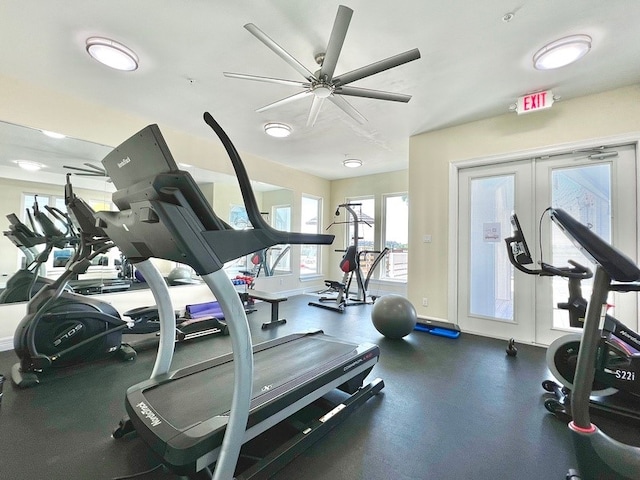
(146, 412)
(124, 162)
(352, 364)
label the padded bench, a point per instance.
(274, 300)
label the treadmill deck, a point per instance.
(183, 415)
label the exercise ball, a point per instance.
(393, 316)
(180, 276)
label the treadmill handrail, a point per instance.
(250, 203)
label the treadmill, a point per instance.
(205, 413)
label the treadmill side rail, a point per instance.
(267, 467)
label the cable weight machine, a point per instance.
(351, 266)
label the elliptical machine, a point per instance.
(616, 386)
(63, 328)
(27, 281)
(350, 266)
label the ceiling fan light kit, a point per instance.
(562, 52)
(323, 85)
(112, 54)
(278, 130)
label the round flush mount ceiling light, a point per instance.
(29, 165)
(352, 163)
(279, 130)
(112, 54)
(562, 52)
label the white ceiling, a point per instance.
(473, 65)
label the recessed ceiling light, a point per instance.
(562, 52)
(29, 165)
(279, 130)
(51, 134)
(112, 54)
(352, 162)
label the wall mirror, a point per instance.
(23, 147)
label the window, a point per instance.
(311, 220)
(396, 236)
(279, 257)
(364, 207)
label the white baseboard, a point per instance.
(6, 344)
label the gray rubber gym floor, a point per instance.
(450, 409)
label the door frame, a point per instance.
(560, 149)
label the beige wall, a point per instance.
(598, 116)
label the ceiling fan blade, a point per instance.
(377, 67)
(86, 170)
(88, 174)
(94, 167)
(285, 100)
(336, 40)
(281, 52)
(316, 105)
(93, 171)
(368, 93)
(279, 81)
(348, 108)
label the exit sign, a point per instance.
(534, 102)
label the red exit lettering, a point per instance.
(535, 101)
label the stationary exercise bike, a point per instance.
(62, 328)
(350, 264)
(616, 386)
(599, 456)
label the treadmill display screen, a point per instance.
(142, 156)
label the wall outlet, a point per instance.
(425, 302)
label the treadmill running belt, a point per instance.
(209, 393)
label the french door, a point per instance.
(495, 299)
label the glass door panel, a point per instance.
(492, 299)
(491, 289)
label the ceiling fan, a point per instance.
(89, 170)
(322, 84)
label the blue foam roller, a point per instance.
(212, 309)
